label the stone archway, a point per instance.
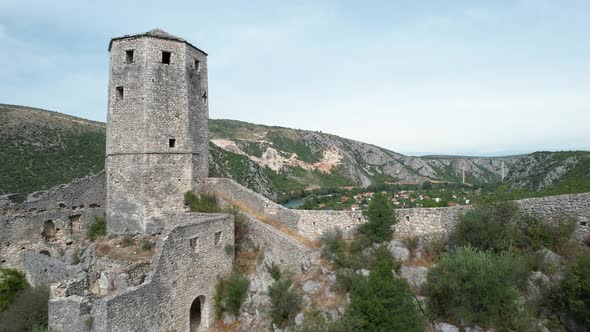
(196, 314)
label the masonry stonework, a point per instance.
(157, 130)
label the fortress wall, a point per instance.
(250, 201)
(50, 219)
(292, 255)
(559, 208)
(312, 223)
(415, 221)
(187, 262)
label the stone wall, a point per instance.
(50, 221)
(559, 208)
(291, 255)
(415, 221)
(43, 270)
(188, 260)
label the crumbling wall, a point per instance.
(43, 270)
(50, 221)
(188, 260)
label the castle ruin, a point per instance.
(157, 150)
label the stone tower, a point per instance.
(157, 131)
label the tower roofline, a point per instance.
(156, 33)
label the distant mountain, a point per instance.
(39, 149)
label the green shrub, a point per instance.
(576, 290)
(411, 243)
(499, 227)
(380, 219)
(314, 321)
(537, 234)
(28, 310)
(333, 244)
(202, 203)
(487, 227)
(382, 302)
(230, 293)
(435, 246)
(285, 302)
(12, 282)
(146, 245)
(476, 287)
(344, 280)
(274, 270)
(97, 228)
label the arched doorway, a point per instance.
(196, 313)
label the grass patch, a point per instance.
(202, 203)
(97, 228)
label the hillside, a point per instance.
(41, 148)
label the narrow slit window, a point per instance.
(172, 142)
(217, 237)
(166, 57)
(129, 56)
(197, 66)
(119, 93)
(194, 242)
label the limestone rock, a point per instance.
(444, 327)
(398, 250)
(364, 272)
(415, 276)
(311, 286)
(299, 319)
(228, 319)
(536, 284)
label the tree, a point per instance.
(576, 290)
(380, 219)
(382, 302)
(11, 283)
(476, 287)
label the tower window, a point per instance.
(197, 65)
(119, 93)
(129, 56)
(172, 142)
(205, 97)
(194, 243)
(217, 237)
(166, 57)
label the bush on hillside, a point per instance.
(500, 227)
(97, 228)
(575, 290)
(380, 219)
(382, 302)
(476, 287)
(201, 203)
(12, 282)
(230, 293)
(333, 244)
(486, 227)
(285, 302)
(28, 311)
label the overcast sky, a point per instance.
(448, 77)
